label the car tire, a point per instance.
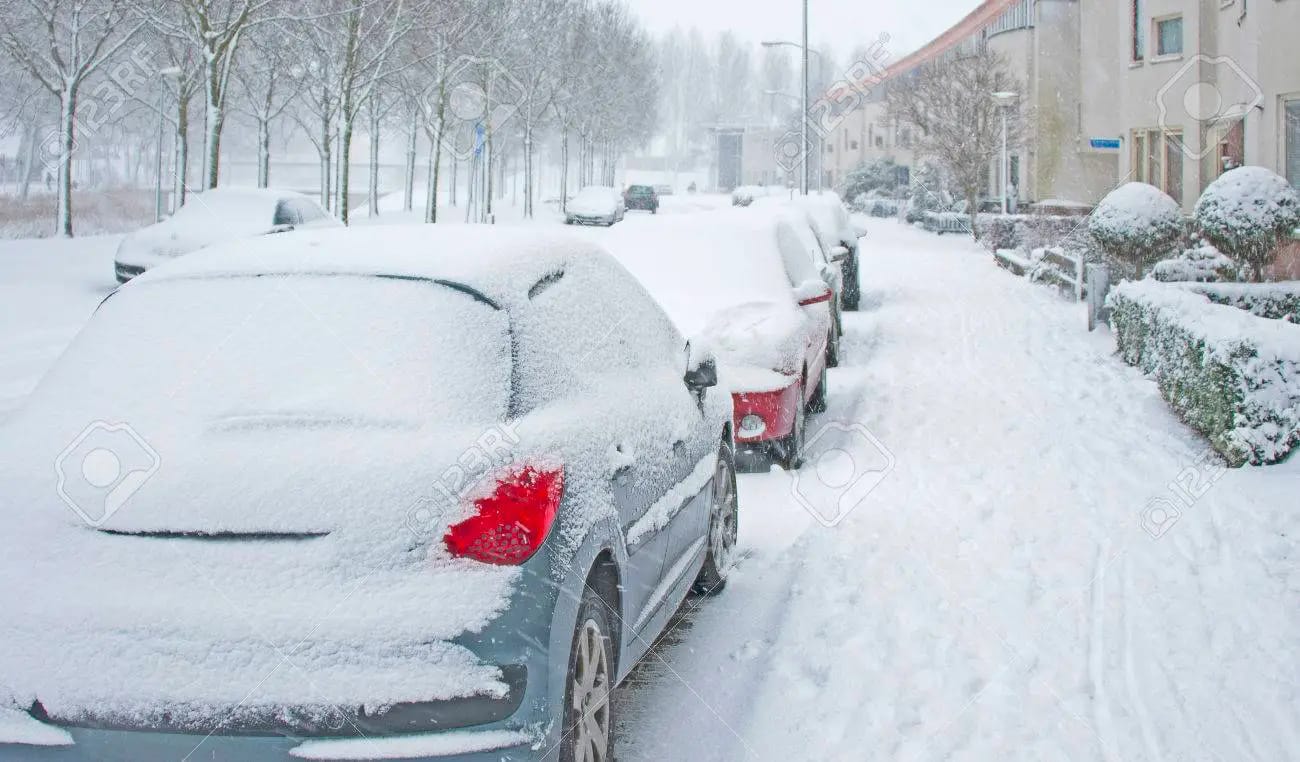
(589, 684)
(724, 524)
(852, 289)
(832, 350)
(818, 402)
(789, 454)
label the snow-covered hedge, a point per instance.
(1230, 375)
(1200, 264)
(946, 222)
(880, 207)
(1027, 232)
(1246, 213)
(1137, 223)
(1275, 301)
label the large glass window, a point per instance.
(1137, 30)
(1291, 130)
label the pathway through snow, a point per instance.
(997, 596)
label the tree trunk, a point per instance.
(345, 168)
(213, 122)
(564, 171)
(263, 153)
(181, 154)
(67, 143)
(528, 171)
(408, 203)
(29, 158)
(374, 156)
(325, 152)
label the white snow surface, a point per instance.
(996, 596)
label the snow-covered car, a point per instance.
(216, 216)
(747, 286)
(595, 205)
(376, 493)
(839, 235)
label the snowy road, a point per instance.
(997, 596)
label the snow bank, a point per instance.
(1231, 375)
(1275, 301)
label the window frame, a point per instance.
(1156, 23)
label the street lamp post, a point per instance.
(164, 75)
(1005, 101)
(803, 97)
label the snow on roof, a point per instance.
(499, 262)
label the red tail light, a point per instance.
(512, 521)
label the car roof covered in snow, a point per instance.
(500, 263)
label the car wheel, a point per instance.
(818, 402)
(832, 350)
(852, 290)
(724, 518)
(588, 732)
(790, 450)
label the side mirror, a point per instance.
(701, 370)
(860, 229)
(839, 254)
(812, 292)
(280, 229)
(702, 376)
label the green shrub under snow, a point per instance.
(1231, 375)
(1246, 213)
(1275, 301)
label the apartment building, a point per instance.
(1170, 92)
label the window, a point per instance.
(1136, 30)
(1158, 160)
(880, 142)
(1291, 130)
(853, 145)
(1169, 36)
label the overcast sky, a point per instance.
(843, 24)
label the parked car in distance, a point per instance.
(641, 197)
(595, 205)
(416, 503)
(216, 216)
(664, 189)
(840, 237)
(748, 286)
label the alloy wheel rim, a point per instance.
(591, 696)
(722, 530)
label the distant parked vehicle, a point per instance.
(413, 459)
(664, 190)
(748, 286)
(216, 216)
(839, 236)
(596, 205)
(642, 197)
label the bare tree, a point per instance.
(950, 103)
(61, 43)
(267, 82)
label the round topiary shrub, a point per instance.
(1245, 214)
(1137, 224)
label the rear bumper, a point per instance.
(127, 746)
(776, 409)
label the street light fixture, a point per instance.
(1006, 100)
(171, 73)
(803, 122)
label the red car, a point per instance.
(745, 287)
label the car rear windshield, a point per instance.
(316, 348)
(641, 190)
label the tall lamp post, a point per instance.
(170, 73)
(1006, 100)
(804, 53)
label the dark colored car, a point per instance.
(643, 197)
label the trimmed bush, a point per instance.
(1028, 232)
(1200, 264)
(1230, 375)
(1137, 224)
(1247, 213)
(1274, 301)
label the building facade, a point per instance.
(1169, 92)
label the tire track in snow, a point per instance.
(1131, 682)
(1101, 709)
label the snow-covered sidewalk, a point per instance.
(1019, 586)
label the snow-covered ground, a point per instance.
(1000, 595)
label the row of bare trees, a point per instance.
(471, 80)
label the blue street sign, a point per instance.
(1105, 144)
